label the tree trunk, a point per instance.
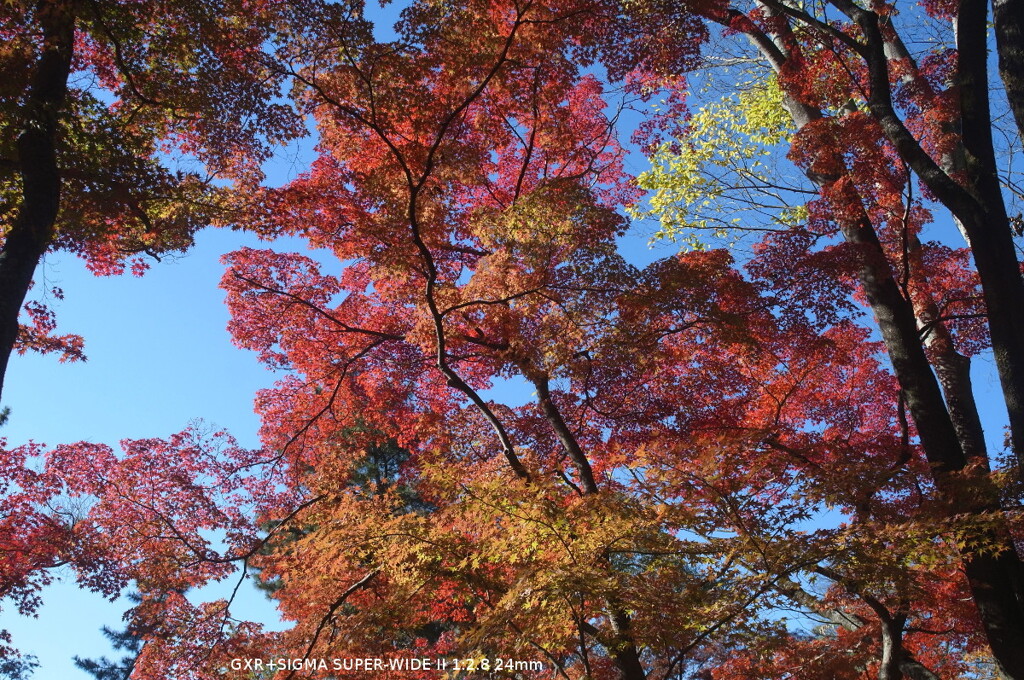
(1009, 24)
(994, 579)
(33, 227)
(996, 583)
(952, 369)
(626, 656)
(991, 237)
(895, 660)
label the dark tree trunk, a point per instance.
(979, 207)
(33, 227)
(625, 656)
(898, 325)
(997, 586)
(997, 583)
(623, 648)
(1009, 24)
(989, 226)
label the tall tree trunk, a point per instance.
(996, 582)
(979, 207)
(952, 369)
(991, 236)
(33, 227)
(1008, 16)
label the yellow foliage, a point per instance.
(721, 169)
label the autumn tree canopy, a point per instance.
(755, 462)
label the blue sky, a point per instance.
(159, 357)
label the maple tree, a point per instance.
(658, 496)
(97, 96)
